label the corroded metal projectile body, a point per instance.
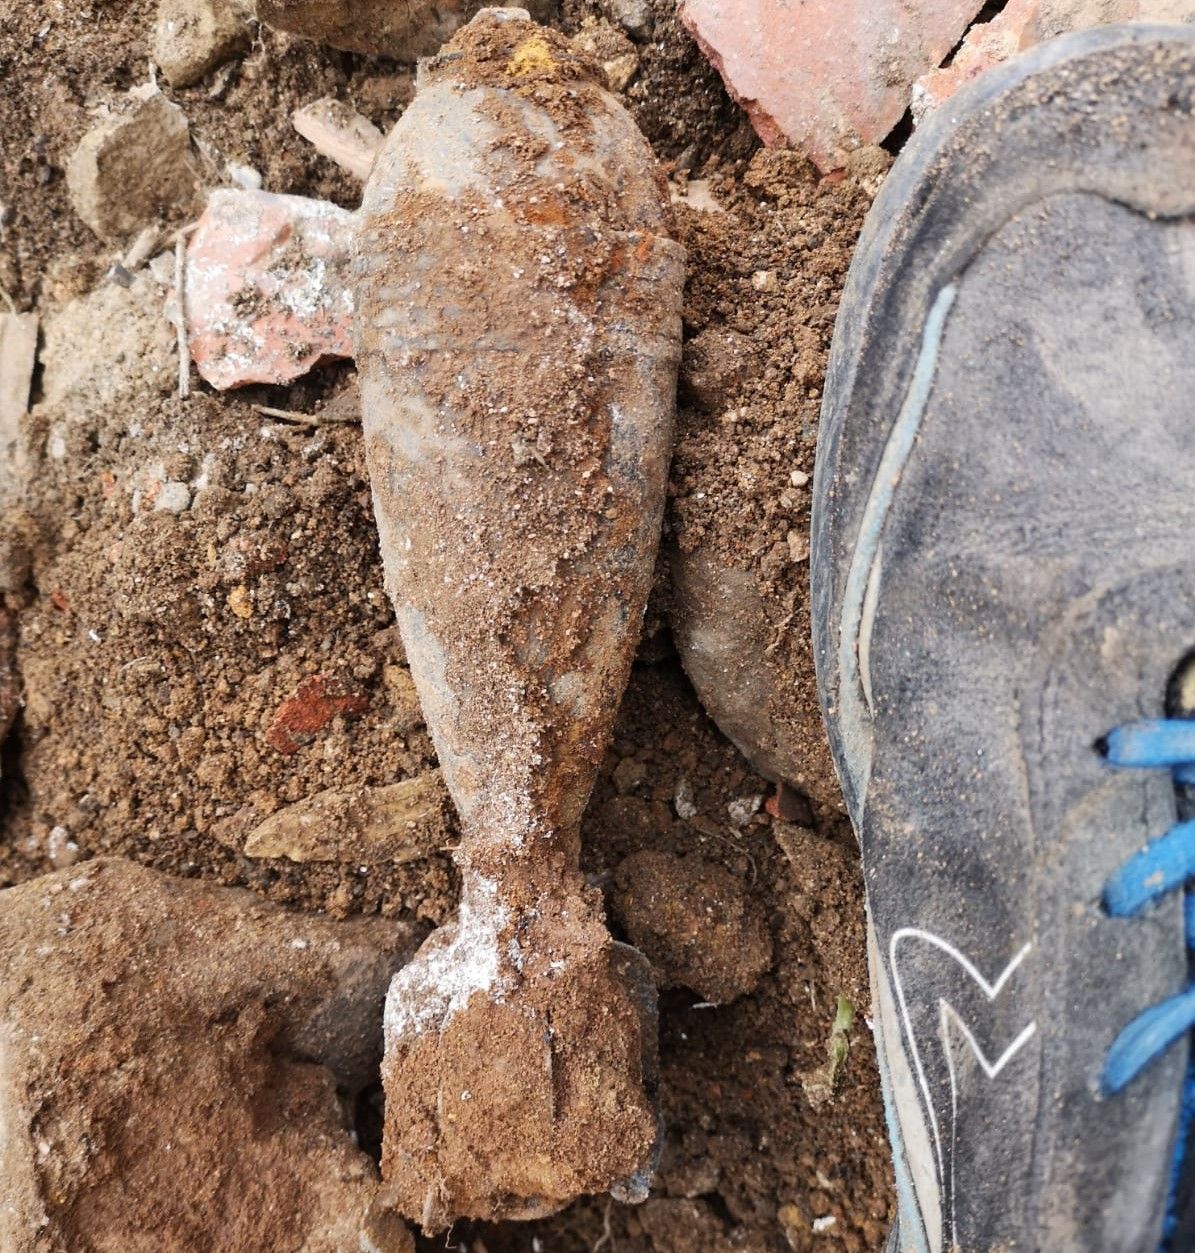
(518, 336)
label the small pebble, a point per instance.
(629, 774)
(173, 497)
(240, 601)
(683, 801)
(743, 808)
(634, 16)
(61, 849)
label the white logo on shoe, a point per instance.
(948, 1018)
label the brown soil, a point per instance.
(159, 653)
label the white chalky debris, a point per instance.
(743, 808)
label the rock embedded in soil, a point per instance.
(826, 76)
(404, 31)
(134, 167)
(726, 634)
(173, 1053)
(364, 826)
(194, 37)
(748, 413)
(611, 49)
(340, 133)
(266, 292)
(696, 923)
(518, 334)
(636, 17)
(103, 348)
(18, 356)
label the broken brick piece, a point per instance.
(264, 289)
(825, 76)
(986, 45)
(315, 703)
(1023, 23)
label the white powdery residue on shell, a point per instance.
(440, 982)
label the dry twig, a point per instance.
(184, 348)
(304, 419)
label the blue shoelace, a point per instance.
(1164, 865)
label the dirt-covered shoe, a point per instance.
(1004, 600)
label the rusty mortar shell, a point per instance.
(518, 336)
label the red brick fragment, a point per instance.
(316, 702)
(787, 805)
(825, 76)
(266, 290)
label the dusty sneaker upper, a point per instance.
(1004, 594)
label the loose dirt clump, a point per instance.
(172, 1057)
(695, 922)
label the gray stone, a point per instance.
(634, 16)
(134, 167)
(404, 31)
(193, 37)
